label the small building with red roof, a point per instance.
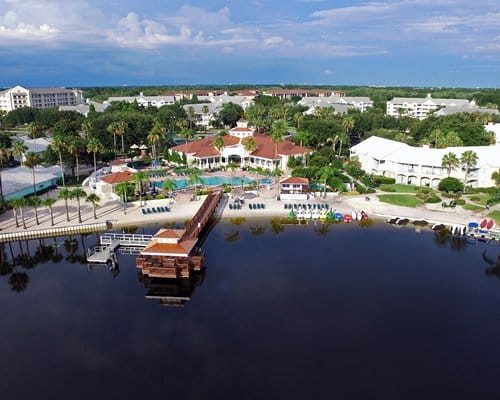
(264, 152)
(105, 185)
(294, 188)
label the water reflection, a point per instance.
(172, 292)
(494, 270)
(443, 238)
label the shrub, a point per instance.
(369, 181)
(355, 171)
(390, 189)
(381, 180)
(451, 185)
(432, 198)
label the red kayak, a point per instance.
(364, 216)
(490, 224)
(483, 223)
(347, 218)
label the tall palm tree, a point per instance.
(333, 140)
(155, 135)
(496, 177)
(303, 138)
(450, 161)
(343, 138)
(15, 204)
(468, 160)
(278, 130)
(93, 199)
(75, 147)
(34, 129)
(250, 145)
(139, 177)
(187, 135)
(122, 127)
(325, 173)
(194, 180)
(32, 160)
(122, 190)
(20, 203)
(78, 194)
(113, 128)
(35, 202)
(58, 145)
(348, 124)
(19, 148)
(49, 203)
(65, 194)
(218, 143)
(298, 118)
(94, 146)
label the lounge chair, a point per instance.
(143, 211)
(263, 205)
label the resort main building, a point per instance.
(266, 153)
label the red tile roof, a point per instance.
(181, 248)
(296, 180)
(169, 233)
(204, 148)
(117, 177)
(267, 148)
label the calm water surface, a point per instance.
(282, 312)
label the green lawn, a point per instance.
(399, 188)
(479, 198)
(472, 207)
(405, 200)
(495, 215)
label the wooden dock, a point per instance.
(174, 253)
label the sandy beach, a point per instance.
(181, 211)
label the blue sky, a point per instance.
(161, 42)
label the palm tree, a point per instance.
(35, 202)
(333, 140)
(86, 128)
(93, 199)
(113, 128)
(94, 146)
(218, 143)
(75, 147)
(122, 127)
(65, 194)
(58, 145)
(49, 203)
(450, 161)
(468, 160)
(139, 177)
(436, 137)
(32, 160)
(303, 138)
(77, 194)
(122, 190)
(343, 138)
(193, 180)
(496, 177)
(278, 130)
(19, 148)
(348, 124)
(191, 116)
(19, 203)
(250, 145)
(155, 135)
(325, 173)
(169, 185)
(187, 135)
(34, 130)
(298, 118)
(15, 204)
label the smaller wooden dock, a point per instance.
(109, 242)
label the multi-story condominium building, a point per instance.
(420, 107)
(289, 93)
(145, 101)
(19, 96)
(336, 102)
(421, 166)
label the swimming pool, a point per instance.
(217, 181)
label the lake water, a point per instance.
(283, 312)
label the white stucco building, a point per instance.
(340, 104)
(421, 166)
(420, 107)
(19, 96)
(145, 101)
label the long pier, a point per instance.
(51, 232)
(174, 253)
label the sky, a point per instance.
(452, 43)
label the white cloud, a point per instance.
(328, 72)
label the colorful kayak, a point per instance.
(348, 218)
(490, 224)
(483, 223)
(364, 216)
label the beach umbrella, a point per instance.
(134, 147)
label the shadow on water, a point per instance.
(494, 270)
